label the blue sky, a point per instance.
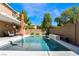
(35, 11)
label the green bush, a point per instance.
(37, 33)
(32, 33)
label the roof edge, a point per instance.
(11, 7)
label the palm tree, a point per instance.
(75, 10)
(26, 18)
(71, 15)
(59, 21)
(47, 22)
(66, 15)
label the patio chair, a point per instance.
(11, 34)
(12, 43)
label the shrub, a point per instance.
(32, 33)
(37, 33)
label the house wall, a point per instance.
(5, 27)
(7, 10)
(68, 31)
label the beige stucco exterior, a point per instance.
(68, 31)
(4, 25)
(34, 31)
(6, 9)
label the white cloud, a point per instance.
(56, 12)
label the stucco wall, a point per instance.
(6, 10)
(68, 31)
(30, 31)
(4, 27)
(77, 34)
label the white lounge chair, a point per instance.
(11, 34)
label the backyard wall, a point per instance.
(30, 31)
(68, 31)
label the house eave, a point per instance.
(11, 8)
(6, 18)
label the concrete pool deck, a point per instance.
(5, 40)
(37, 53)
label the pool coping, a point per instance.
(37, 53)
(67, 45)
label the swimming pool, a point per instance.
(35, 43)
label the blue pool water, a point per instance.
(36, 43)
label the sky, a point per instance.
(35, 11)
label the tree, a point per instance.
(66, 15)
(75, 14)
(59, 21)
(47, 22)
(26, 18)
(70, 15)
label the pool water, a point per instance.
(36, 43)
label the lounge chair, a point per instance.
(12, 43)
(11, 34)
